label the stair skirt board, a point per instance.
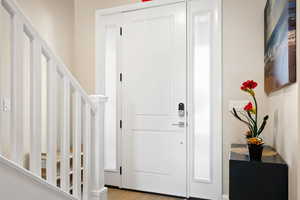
(32, 177)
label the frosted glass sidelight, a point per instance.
(202, 96)
(110, 143)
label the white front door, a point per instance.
(153, 66)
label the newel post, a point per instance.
(97, 189)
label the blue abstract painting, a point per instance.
(280, 44)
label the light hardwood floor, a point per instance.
(116, 194)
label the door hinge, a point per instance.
(120, 170)
(121, 124)
(121, 77)
(121, 31)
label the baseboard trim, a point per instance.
(99, 194)
(225, 197)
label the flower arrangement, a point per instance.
(249, 116)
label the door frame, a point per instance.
(100, 82)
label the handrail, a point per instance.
(13, 9)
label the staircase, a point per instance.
(64, 127)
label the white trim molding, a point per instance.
(104, 14)
(33, 177)
(98, 191)
(225, 197)
(135, 6)
(102, 193)
(74, 98)
(98, 98)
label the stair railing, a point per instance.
(73, 119)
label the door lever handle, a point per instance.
(180, 124)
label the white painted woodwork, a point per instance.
(111, 89)
(205, 103)
(77, 115)
(108, 33)
(17, 91)
(86, 151)
(51, 122)
(153, 85)
(35, 108)
(201, 112)
(19, 183)
(65, 137)
(87, 123)
(136, 6)
(97, 176)
(5, 70)
(207, 183)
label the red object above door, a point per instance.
(146, 0)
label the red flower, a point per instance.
(244, 88)
(248, 107)
(249, 85)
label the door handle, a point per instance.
(180, 124)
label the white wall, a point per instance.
(283, 107)
(243, 59)
(243, 46)
(298, 110)
(284, 124)
(84, 60)
(243, 54)
(54, 20)
(5, 63)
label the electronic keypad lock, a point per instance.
(181, 109)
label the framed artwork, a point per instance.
(280, 44)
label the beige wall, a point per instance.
(84, 67)
(284, 124)
(5, 63)
(243, 59)
(283, 106)
(243, 46)
(298, 109)
(54, 20)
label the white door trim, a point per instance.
(217, 74)
(135, 6)
(156, 3)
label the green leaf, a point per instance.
(235, 114)
(262, 127)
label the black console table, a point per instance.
(253, 180)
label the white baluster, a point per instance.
(35, 108)
(77, 146)
(86, 151)
(17, 92)
(51, 122)
(98, 191)
(65, 139)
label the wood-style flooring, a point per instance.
(116, 194)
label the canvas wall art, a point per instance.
(280, 44)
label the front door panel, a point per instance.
(153, 52)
